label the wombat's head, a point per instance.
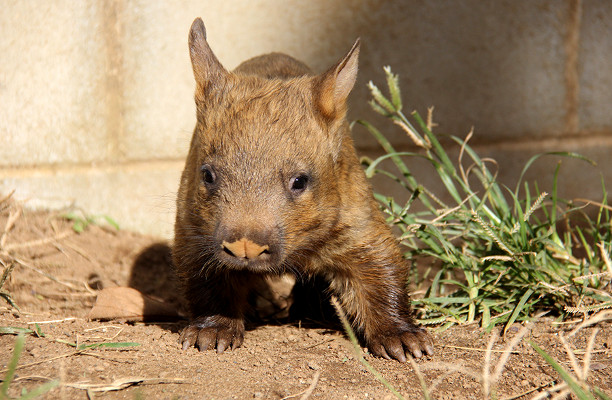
(260, 187)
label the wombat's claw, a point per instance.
(204, 336)
(389, 347)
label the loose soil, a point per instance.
(58, 273)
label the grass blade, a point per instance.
(517, 310)
(571, 382)
(12, 365)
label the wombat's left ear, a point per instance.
(334, 86)
(207, 69)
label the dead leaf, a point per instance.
(128, 304)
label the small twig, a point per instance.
(123, 383)
(318, 344)
(10, 222)
(477, 349)
(571, 356)
(557, 388)
(606, 257)
(419, 375)
(45, 274)
(306, 393)
(103, 356)
(52, 321)
(8, 196)
(450, 369)
(120, 329)
(588, 353)
(486, 368)
(44, 361)
(39, 242)
(32, 378)
(312, 386)
(600, 316)
(82, 253)
(351, 334)
(525, 393)
(588, 202)
(504, 357)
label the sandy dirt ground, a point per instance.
(58, 273)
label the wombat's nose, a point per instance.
(244, 248)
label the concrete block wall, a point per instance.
(96, 97)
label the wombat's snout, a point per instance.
(246, 249)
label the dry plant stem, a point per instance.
(450, 369)
(546, 394)
(420, 376)
(358, 353)
(606, 257)
(44, 361)
(54, 321)
(599, 317)
(486, 369)
(123, 383)
(562, 395)
(10, 222)
(588, 353)
(525, 393)
(43, 273)
(38, 242)
(306, 393)
(572, 358)
(489, 381)
(32, 378)
(595, 203)
(7, 197)
(476, 349)
(504, 357)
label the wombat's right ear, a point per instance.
(334, 86)
(207, 69)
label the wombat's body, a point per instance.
(272, 185)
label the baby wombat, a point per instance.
(272, 185)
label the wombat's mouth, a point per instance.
(255, 251)
(267, 263)
(244, 254)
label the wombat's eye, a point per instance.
(208, 175)
(299, 183)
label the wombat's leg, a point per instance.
(375, 296)
(217, 307)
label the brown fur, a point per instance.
(272, 185)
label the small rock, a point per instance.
(313, 366)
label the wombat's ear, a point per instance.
(334, 86)
(207, 69)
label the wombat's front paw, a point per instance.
(414, 340)
(213, 332)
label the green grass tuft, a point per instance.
(499, 254)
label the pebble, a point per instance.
(313, 366)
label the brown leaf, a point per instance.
(128, 304)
